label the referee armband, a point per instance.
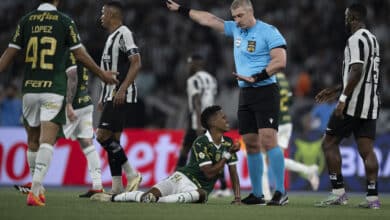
(132, 51)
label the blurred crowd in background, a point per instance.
(314, 31)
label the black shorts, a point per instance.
(344, 127)
(258, 108)
(113, 119)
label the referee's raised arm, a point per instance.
(202, 17)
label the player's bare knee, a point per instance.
(156, 192)
(202, 196)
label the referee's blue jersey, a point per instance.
(252, 48)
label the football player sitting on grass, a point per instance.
(194, 182)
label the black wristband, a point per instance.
(261, 76)
(184, 11)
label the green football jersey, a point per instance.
(82, 97)
(45, 36)
(203, 152)
(285, 98)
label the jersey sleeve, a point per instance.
(73, 37)
(274, 38)
(356, 48)
(233, 160)
(17, 38)
(201, 154)
(127, 45)
(193, 87)
(70, 62)
(229, 27)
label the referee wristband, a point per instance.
(184, 11)
(343, 98)
(261, 76)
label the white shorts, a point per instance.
(82, 127)
(39, 107)
(284, 134)
(174, 184)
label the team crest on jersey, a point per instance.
(201, 155)
(218, 157)
(251, 46)
(237, 42)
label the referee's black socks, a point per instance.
(116, 156)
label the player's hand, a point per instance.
(326, 95)
(100, 106)
(120, 97)
(339, 111)
(226, 155)
(235, 147)
(70, 113)
(171, 5)
(109, 77)
(247, 79)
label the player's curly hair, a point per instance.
(358, 10)
(207, 114)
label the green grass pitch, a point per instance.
(63, 203)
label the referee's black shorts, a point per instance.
(258, 107)
(114, 119)
(345, 127)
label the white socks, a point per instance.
(31, 157)
(338, 192)
(187, 197)
(117, 186)
(129, 171)
(94, 168)
(134, 196)
(295, 166)
(265, 181)
(44, 156)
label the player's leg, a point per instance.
(134, 178)
(365, 140)
(310, 172)
(337, 129)
(106, 140)
(33, 134)
(177, 188)
(82, 129)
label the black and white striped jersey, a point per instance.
(362, 47)
(117, 50)
(203, 84)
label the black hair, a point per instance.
(116, 4)
(207, 114)
(358, 10)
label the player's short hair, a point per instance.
(50, 1)
(358, 10)
(241, 3)
(116, 4)
(207, 114)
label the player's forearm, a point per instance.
(132, 73)
(235, 181)
(82, 55)
(71, 85)
(211, 171)
(7, 57)
(354, 77)
(197, 108)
